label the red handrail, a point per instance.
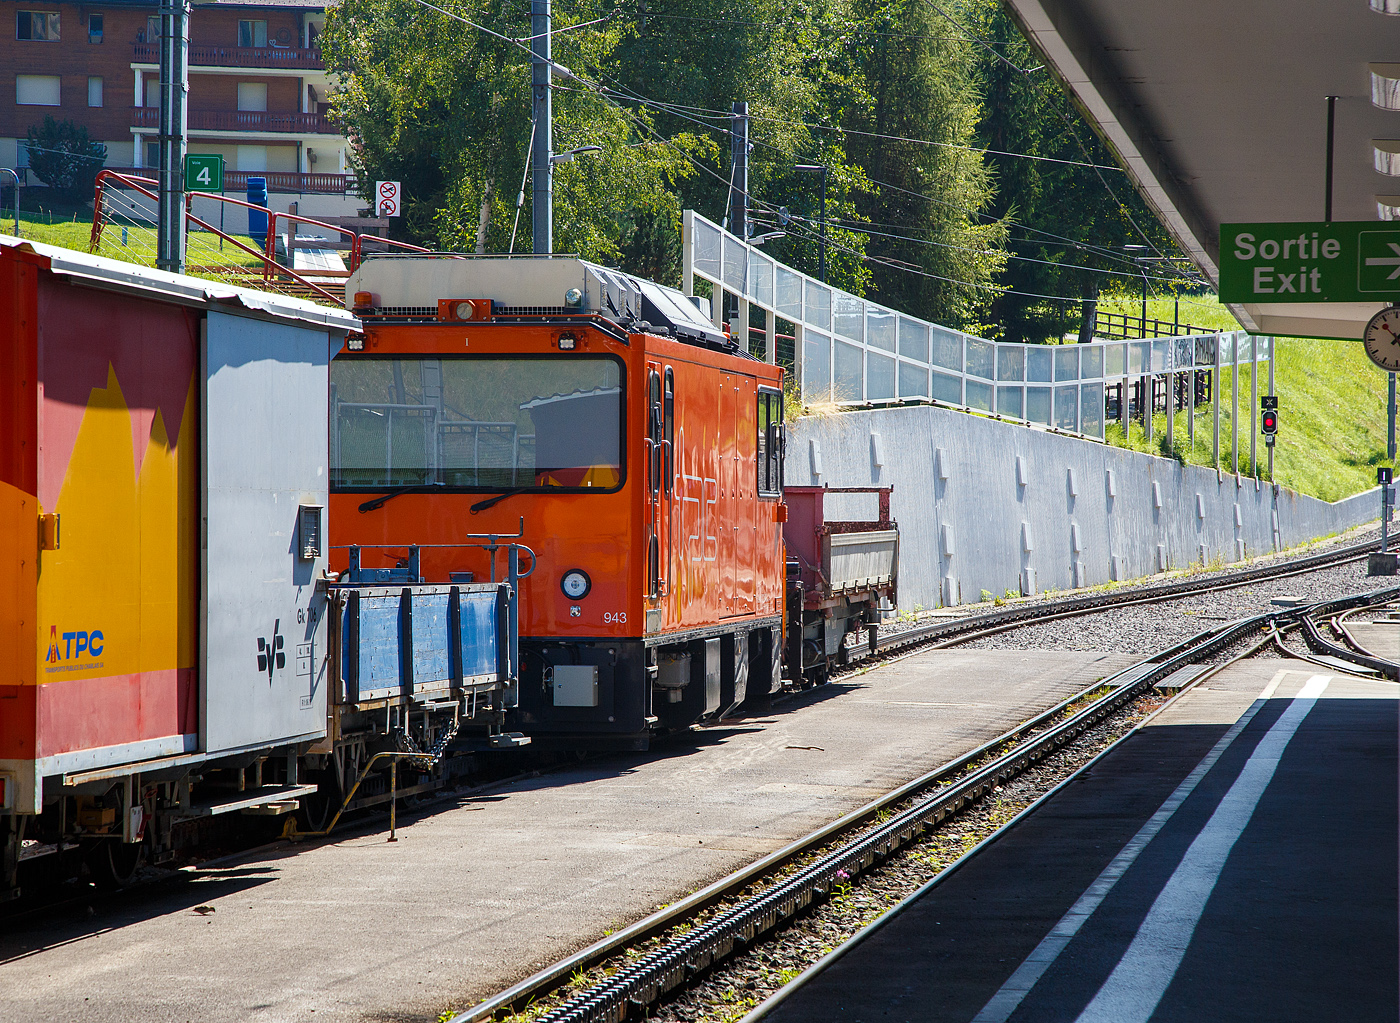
(356, 249)
(131, 182)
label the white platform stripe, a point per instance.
(1138, 982)
(1019, 984)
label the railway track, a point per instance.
(661, 953)
(962, 630)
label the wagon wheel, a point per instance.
(318, 809)
(114, 864)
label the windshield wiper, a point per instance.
(415, 488)
(483, 505)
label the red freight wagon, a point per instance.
(605, 424)
(840, 574)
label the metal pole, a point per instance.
(1148, 398)
(1170, 383)
(1273, 355)
(1215, 383)
(1331, 133)
(393, 798)
(16, 175)
(739, 190)
(1235, 405)
(1385, 514)
(1144, 299)
(1390, 405)
(821, 265)
(1254, 409)
(1191, 402)
(542, 170)
(174, 89)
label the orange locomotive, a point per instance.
(603, 423)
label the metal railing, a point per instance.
(1123, 325)
(854, 352)
(242, 120)
(238, 56)
(277, 181)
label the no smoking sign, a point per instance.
(387, 198)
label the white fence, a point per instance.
(856, 352)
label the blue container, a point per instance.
(257, 219)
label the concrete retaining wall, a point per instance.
(985, 505)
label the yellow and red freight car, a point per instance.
(603, 422)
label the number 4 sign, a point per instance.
(204, 173)
(387, 198)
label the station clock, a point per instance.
(1382, 339)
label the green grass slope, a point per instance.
(1332, 416)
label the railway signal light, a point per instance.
(1268, 417)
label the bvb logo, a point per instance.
(270, 655)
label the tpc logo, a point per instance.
(73, 645)
(270, 655)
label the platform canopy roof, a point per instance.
(1218, 109)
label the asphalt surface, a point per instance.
(476, 896)
(1268, 890)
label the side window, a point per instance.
(769, 447)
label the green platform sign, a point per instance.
(1348, 261)
(204, 173)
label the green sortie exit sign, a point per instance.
(1344, 261)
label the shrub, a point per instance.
(63, 157)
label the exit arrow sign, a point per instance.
(1346, 261)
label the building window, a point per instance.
(152, 29)
(252, 34)
(37, 90)
(37, 25)
(251, 158)
(152, 85)
(94, 28)
(94, 91)
(152, 154)
(252, 95)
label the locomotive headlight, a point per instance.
(576, 584)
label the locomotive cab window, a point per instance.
(770, 443)
(473, 423)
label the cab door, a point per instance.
(726, 526)
(660, 416)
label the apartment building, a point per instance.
(258, 87)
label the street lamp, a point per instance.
(554, 160)
(767, 236)
(557, 158)
(818, 168)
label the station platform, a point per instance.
(1234, 859)
(475, 896)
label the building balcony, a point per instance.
(243, 120)
(287, 181)
(237, 56)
